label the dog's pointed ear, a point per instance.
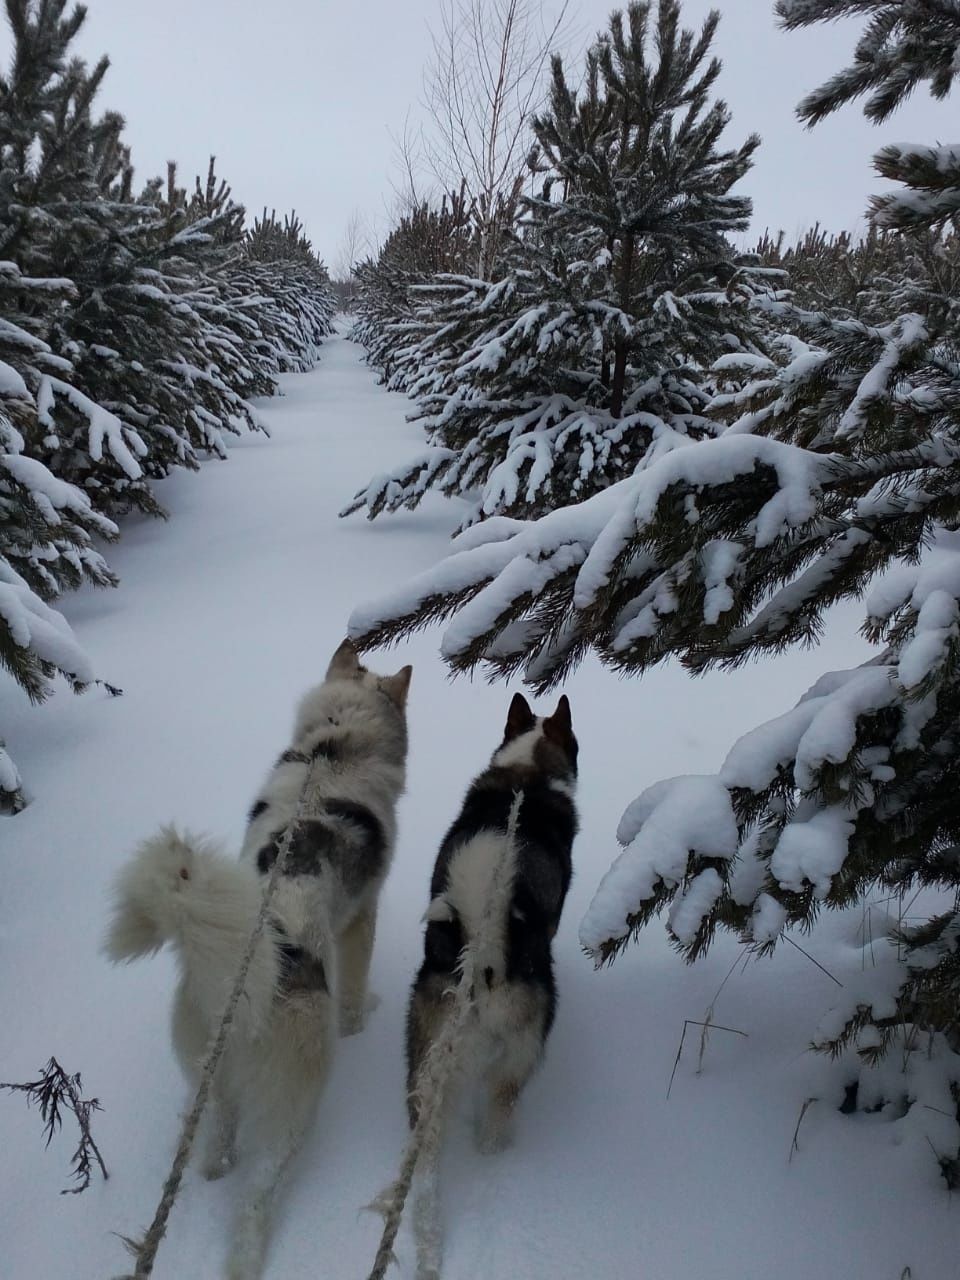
(344, 664)
(520, 719)
(397, 686)
(559, 726)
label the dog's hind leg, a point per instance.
(252, 1229)
(427, 1012)
(494, 1124)
(216, 1140)
(251, 1235)
(355, 946)
(219, 1141)
(279, 1099)
(501, 1086)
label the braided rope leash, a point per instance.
(145, 1249)
(440, 1064)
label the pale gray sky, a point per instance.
(297, 98)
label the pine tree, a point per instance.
(55, 158)
(172, 328)
(134, 327)
(839, 273)
(840, 472)
(588, 357)
(398, 293)
(292, 285)
(906, 43)
(46, 526)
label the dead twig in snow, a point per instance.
(795, 1144)
(695, 1022)
(55, 1092)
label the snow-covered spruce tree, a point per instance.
(590, 356)
(46, 526)
(292, 286)
(139, 387)
(148, 340)
(53, 156)
(840, 473)
(838, 273)
(171, 327)
(395, 301)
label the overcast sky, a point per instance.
(297, 99)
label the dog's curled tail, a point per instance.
(184, 889)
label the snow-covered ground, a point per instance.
(223, 617)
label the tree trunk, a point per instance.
(620, 345)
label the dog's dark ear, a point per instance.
(396, 687)
(344, 664)
(520, 719)
(559, 727)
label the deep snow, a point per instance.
(223, 617)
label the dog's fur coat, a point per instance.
(351, 731)
(527, 881)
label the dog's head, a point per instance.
(351, 694)
(543, 743)
(346, 665)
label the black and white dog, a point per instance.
(515, 994)
(350, 740)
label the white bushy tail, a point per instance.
(184, 890)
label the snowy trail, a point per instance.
(222, 619)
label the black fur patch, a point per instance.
(327, 749)
(300, 971)
(260, 807)
(358, 860)
(442, 945)
(547, 751)
(530, 930)
(267, 854)
(360, 815)
(309, 850)
(348, 840)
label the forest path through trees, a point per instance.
(222, 619)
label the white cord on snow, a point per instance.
(439, 1066)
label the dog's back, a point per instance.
(350, 739)
(503, 898)
(534, 870)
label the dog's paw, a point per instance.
(491, 1139)
(354, 1019)
(217, 1167)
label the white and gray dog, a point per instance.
(503, 898)
(350, 736)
